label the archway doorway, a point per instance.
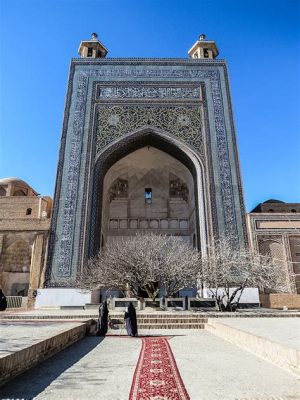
(183, 158)
(148, 190)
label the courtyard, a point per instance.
(174, 209)
(203, 365)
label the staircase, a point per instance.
(163, 321)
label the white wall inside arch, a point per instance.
(149, 167)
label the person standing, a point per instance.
(102, 323)
(3, 301)
(130, 320)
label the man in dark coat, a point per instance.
(102, 323)
(3, 302)
(130, 320)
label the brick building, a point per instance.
(274, 228)
(24, 229)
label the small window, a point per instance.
(28, 211)
(271, 210)
(205, 53)
(293, 210)
(90, 52)
(148, 195)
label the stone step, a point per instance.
(140, 316)
(164, 321)
(218, 315)
(161, 317)
(165, 326)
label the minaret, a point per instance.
(203, 48)
(92, 48)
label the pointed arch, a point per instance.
(119, 148)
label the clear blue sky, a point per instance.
(260, 39)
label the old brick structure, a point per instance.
(274, 228)
(24, 230)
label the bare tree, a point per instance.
(229, 270)
(142, 263)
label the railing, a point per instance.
(14, 301)
(149, 223)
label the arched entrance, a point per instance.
(121, 202)
(148, 190)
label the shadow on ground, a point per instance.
(34, 381)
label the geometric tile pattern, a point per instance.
(167, 77)
(184, 122)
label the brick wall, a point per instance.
(278, 300)
(18, 207)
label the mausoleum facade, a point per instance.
(147, 145)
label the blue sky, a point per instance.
(260, 39)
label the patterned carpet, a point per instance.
(156, 376)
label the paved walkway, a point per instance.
(285, 331)
(211, 369)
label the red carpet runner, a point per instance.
(156, 376)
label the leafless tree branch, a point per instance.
(234, 269)
(146, 262)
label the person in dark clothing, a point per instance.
(3, 301)
(130, 320)
(102, 323)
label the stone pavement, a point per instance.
(211, 369)
(283, 331)
(17, 335)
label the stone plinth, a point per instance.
(56, 297)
